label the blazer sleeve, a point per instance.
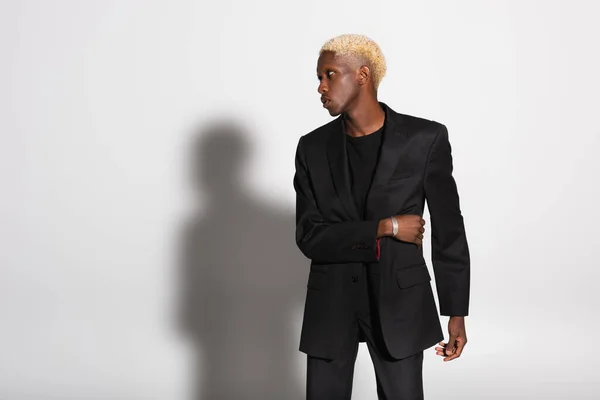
(450, 251)
(325, 242)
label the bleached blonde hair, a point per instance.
(360, 46)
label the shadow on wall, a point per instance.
(242, 279)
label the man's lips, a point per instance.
(326, 101)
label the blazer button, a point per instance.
(355, 279)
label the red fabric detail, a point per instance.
(377, 248)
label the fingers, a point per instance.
(440, 350)
(411, 229)
(420, 233)
(448, 353)
(419, 237)
(459, 346)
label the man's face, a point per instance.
(338, 82)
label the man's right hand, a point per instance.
(410, 228)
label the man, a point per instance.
(361, 184)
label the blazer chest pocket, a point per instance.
(401, 174)
(412, 276)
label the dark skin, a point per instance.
(346, 87)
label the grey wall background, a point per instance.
(141, 139)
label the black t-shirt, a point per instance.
(363, 153)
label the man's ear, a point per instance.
(364, 75)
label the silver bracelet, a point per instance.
(394, 226)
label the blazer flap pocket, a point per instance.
(316, 280)
(412, 276)
(401, 173)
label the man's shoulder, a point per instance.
(419, 124)
(321, 134)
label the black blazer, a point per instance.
(415, 165)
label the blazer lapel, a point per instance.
(338, 165)
(394, 138)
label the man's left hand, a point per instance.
(457, 341)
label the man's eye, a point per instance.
(329, 73)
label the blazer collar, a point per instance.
(394, 136)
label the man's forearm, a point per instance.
(341, 242)
(332, 242)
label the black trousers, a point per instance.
(396, 379)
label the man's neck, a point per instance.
(366, 118)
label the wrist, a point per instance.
(385, 228)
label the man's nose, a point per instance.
(322, 88)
